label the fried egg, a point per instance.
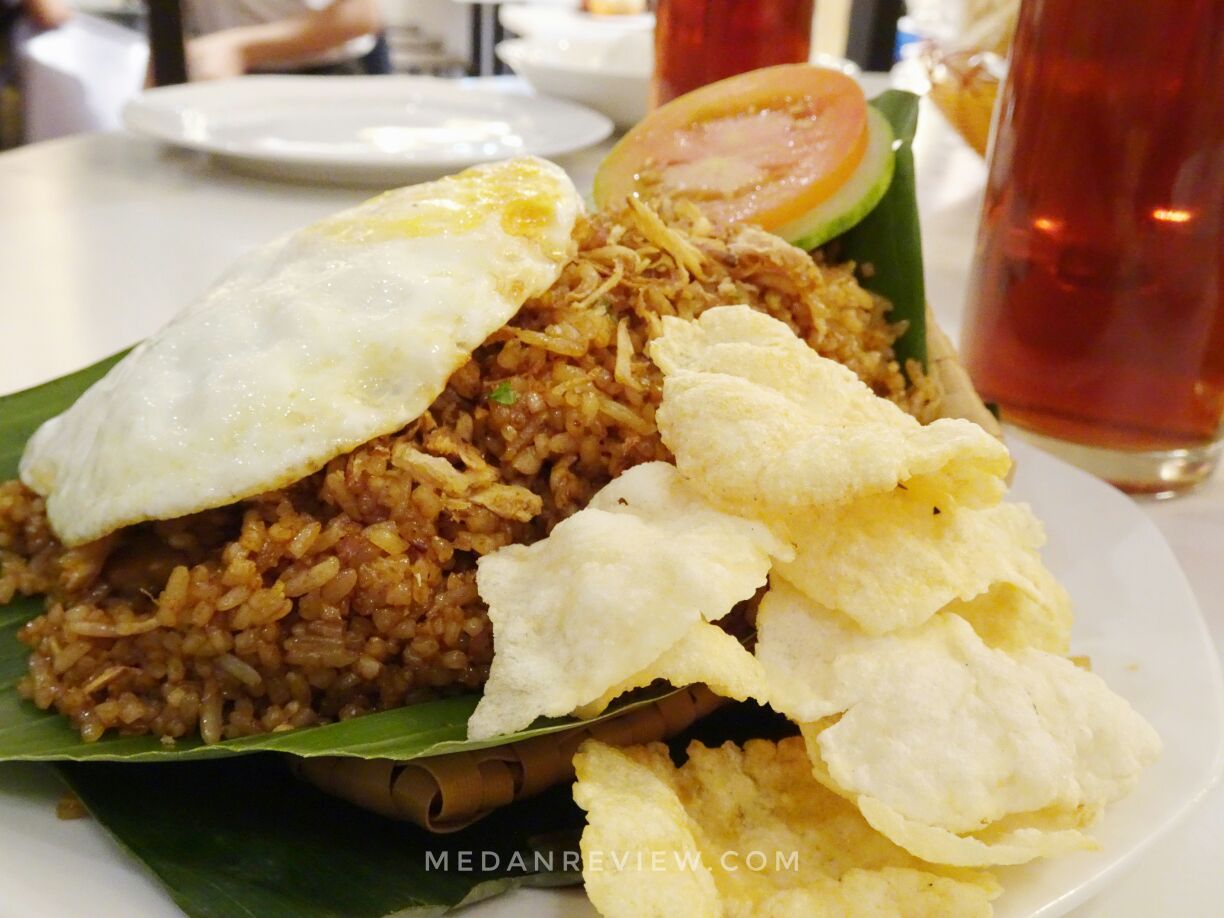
(311, 346)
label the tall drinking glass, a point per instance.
(1096, 308)
(703, 41)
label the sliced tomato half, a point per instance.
(765, 147)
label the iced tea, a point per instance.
(703, 41)
(1096, 310)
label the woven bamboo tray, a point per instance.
(445, 793)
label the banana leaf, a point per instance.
(240, 838)
(889, 238)
(30, 735)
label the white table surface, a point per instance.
(103, 237)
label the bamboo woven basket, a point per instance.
(445, 793)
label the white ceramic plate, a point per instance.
(1136, 619)
(369, 130)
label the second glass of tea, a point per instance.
(1096, 309)
(703, 41)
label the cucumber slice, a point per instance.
(855, 199)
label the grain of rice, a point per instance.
(210, 713)
(304, 538)
(245, 673)
(70, 806)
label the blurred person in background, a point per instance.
(43, 14)
(230, 37)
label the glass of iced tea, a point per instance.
(703, 41)
(1096, 308)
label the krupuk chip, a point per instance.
(943, 730)
(745, 832)
(892, 560)
(891, 520)
(608, 592)
(763, 425)
(707, 654)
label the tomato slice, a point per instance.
(764, 147)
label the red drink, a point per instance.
(703, 41)
(1097, 302)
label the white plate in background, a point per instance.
(379, 130)
(1136, 618)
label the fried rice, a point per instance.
(354, 590)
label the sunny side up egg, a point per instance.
(312, 345)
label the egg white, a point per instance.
(311, 346)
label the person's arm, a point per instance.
(46, 14)
(231, 52)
